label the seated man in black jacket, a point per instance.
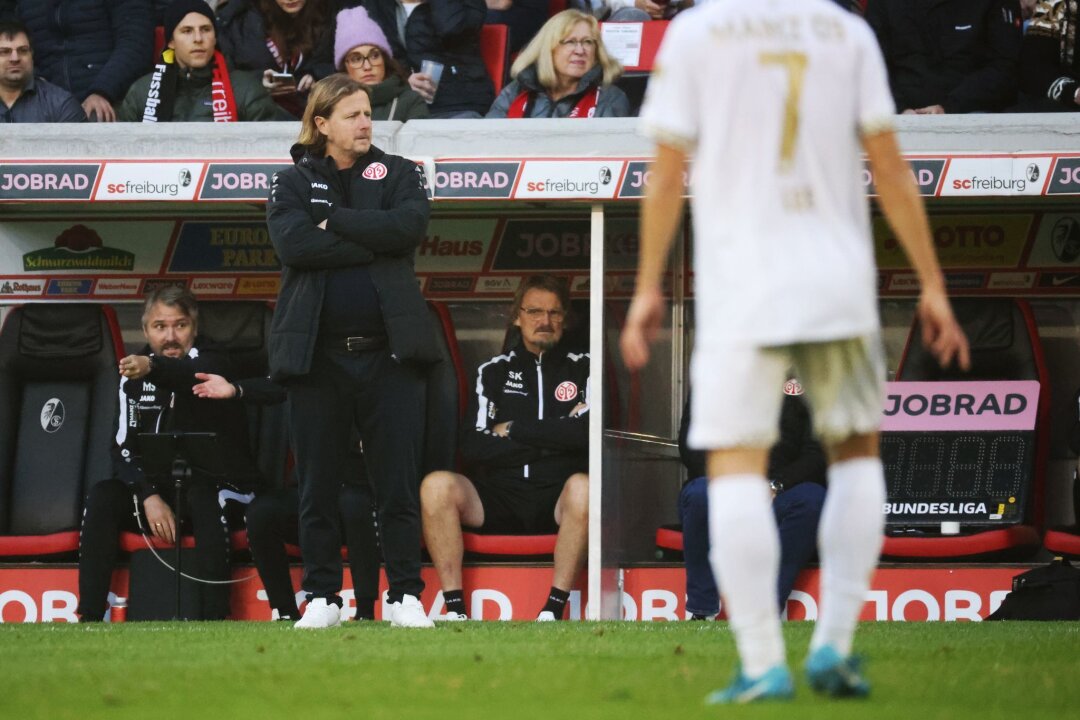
(526, 440)
(797, 477)
(949, 56)
(156, 396)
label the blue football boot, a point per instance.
(836, 676)
(774, 684)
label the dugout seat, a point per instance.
(58, 410)
(1005, 345)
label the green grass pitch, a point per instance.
(517, 671)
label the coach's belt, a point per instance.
(355, 343)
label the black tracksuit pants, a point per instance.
(110, 510)
(272, 522)
(385, 402)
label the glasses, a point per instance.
(539, 314)
(20, 51)
(585, 44)
(359, 59)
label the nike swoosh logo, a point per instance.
(1061, 281)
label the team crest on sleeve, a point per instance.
(793, 387)
(375, 171)
(566, 391)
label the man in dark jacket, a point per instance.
(157, 395)
(351, 338)
(527, 441)
(1050, 58)
(192, 81)
(797, 476)
(949, 56)
(94, 49)
(446, 31)
(24, 98)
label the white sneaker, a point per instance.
(319, 614)
(453, 617)
(546, 616)
(409, 613)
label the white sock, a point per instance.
(745, 558)
(849, 545)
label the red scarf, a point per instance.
(585, 107)
(161, 96)
(222, 100)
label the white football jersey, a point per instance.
(769, 98)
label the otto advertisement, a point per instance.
(512, 593)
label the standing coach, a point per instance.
(350, 338)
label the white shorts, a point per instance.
(738, 390)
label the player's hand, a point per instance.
(160, 518)
(578, 409)
(213, 387)
(502, 429)
(930, 110)
(655, 11)
(135, 366)
(642, 325)
(940, 331)
(98, 108)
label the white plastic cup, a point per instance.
(434, 70)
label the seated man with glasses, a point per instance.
(525, 441)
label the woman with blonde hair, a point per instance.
(564, 72)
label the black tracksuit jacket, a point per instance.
(378, 221)
(162, 401)
(545, 446)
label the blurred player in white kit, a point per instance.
(772, 101)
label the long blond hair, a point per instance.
(324, 97)
(540, 49)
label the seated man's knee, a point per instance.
(694, 499)
(575, 494)
(260, 516)
(438, 491)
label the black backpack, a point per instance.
(1051, 592)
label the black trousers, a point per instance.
(273, 521)
(384, 400)
(110, 510)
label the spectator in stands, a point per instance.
(527, 448)
(447, 32)
(631, 10)
(1050, 59)
(362, 50)
(949, 56)
(797, 476)
(156, 395)
(94, 49)
(24, 98)
(565, 72)
(523, 19)
(192, 81)
(288, 41)
(352, 338)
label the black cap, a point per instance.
(179, 9)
